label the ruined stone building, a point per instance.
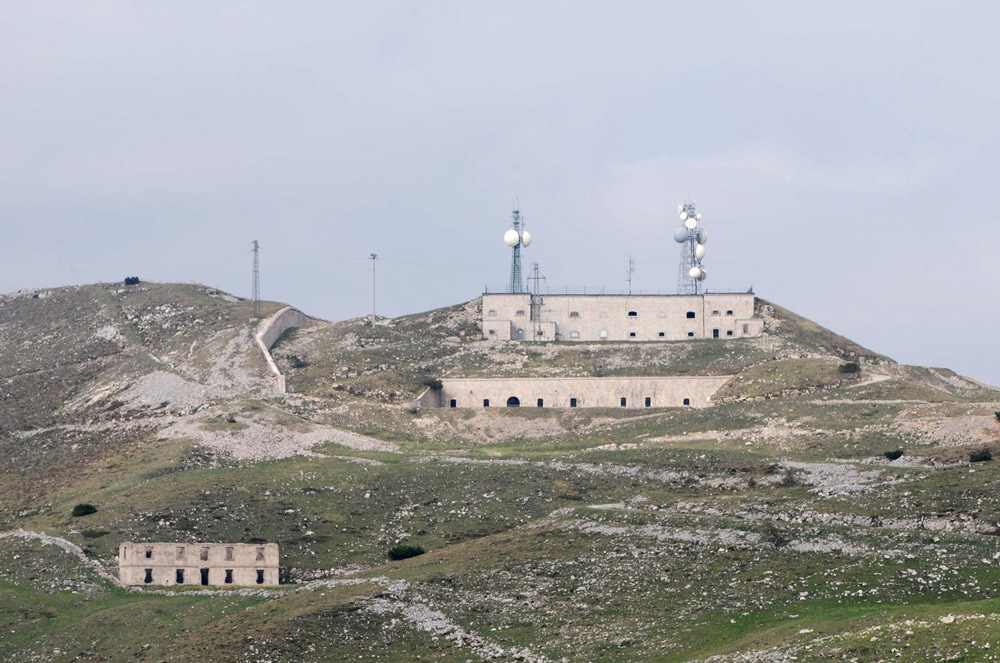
(247, 564)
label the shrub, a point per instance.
(131, 280)
(433, 383)
(94, 533)
(980, 456)
(790, 479)
(850, 367)
(297, 362)
(997, 415)
(404, 551)
(83, 510)
(774, 536)
(893, 455)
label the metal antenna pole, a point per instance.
(256, 280)
(631, 271)
(374, 256)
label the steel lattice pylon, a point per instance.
(516, 284)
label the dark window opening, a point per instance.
(260, 554)
(690, 334)
(649, 402)
(715, 333)
(540, 332)
(690, 314)
(572, 402)
(453, 403)
(204, 576)
(229, 577)
(574, 314)
(631, 334)
(687, 401)
(149, 576)
(623, 401)
(204, 553)
(493, 332)
(149, 553)
(260, 576)
(541, 402)
(746, 329)
(486, 402)
(633, 314)
(729, 332)
(661, 334)
(180, 576)
(519, 312)
(513, 401)
(729, 312)
(715, 312)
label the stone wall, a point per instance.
(244, 564)
(271, 330)
(637, 392)
(619, 317)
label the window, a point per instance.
(229, 554)
(574, 334)
(690, 315)
(180, 552)
(574, 314)
(604, 333)
(229, 577)
(715, 333)
(149, 576)
(633, 314)
(649, 401)
(260, 576)
(493, 332)
(453, 403)
(149, 553)
(260, 554)
(729, 332)
(513, 401)
(541, 403)
(519, 312)
(715, 312)
(690, 334)
(729, 312)
(204, 576)
(623, 401)
(572, 402)
(687, 401)
(204, 553)
(179, 575)
(540, 333)
(486, 402)
(492, 313)
(661, 334)
(746, 329)
(631, 334)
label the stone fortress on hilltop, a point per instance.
(525, 316)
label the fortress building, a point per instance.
(246, 564)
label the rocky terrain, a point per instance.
(832, 504)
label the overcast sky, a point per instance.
(844, 155)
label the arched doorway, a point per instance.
(513, 401)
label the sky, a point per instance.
(845, 156)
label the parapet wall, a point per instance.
(628, 392)
(271, 330)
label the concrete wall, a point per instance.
(619, 317)
(271, 330)
(588, 392)
(163, 560)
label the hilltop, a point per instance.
(769, 526)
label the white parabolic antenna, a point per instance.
(691, 222)
(702, 236)
(510, 238)
(703, 275)
(699, 252)
(526, 238)
(694, 272)
(681, 235)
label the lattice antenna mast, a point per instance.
(631, 271)
(535, 279)
(256, 280)
(690, 273)
(374, 257)
(516, 238)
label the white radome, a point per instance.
(698, 216)
(691, 222)
(694, 273)
(681, 235)
(699, 252)
(510, 238)
(702, 236)
(525, 238)
(683, 215)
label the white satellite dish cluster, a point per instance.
(696, 237)
(511, 238)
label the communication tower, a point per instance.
(692, 239)
(515, 238)
(255, 287)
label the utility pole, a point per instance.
(256, 280)
(631, 271)
(374, 256)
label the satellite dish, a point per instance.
(691, 222)
(695, 273)
(703, 275)
(525, 238)
(683, 215)
(681, 235)
(698, 216)
(702, 236)
(680, 208)
(510, 238)
(699, 252)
